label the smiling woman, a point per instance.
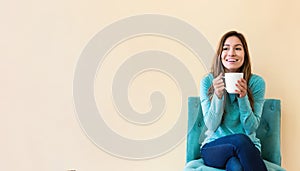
(232, 118)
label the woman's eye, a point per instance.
(238, 48)
(225, 48)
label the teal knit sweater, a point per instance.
(231, 114)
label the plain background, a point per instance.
(41, 42)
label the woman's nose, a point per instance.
(231, 52)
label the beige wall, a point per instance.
(41, 42)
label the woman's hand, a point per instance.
(242, 88)
(219, 85)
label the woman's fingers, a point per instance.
(242, 88)
(219, 85)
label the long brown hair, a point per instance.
(217, 66)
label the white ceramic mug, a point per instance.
(231, 79)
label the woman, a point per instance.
(232, 119)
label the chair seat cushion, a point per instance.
(198, 165)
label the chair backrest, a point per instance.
(268, 132)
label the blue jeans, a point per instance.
(234, 153)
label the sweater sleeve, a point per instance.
(250, 119)
(212, 109)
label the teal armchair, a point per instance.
(268, 133)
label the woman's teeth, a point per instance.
(231, 60)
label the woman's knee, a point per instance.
(242, 140)
(233, 164)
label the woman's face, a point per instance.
(233, 54)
